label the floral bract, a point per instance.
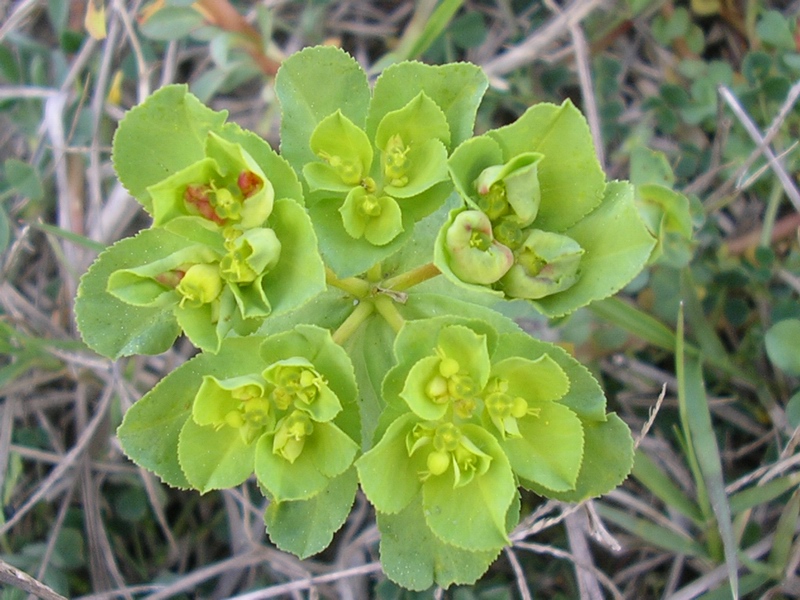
(322, 367)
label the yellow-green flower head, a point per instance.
(250, 255)
(226, 188)
(237, 402)
(291, 434)
(299, 386)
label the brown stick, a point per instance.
(783, 228)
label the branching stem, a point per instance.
(353, 322)
(388, 310)
(352, 285)
(412, 277)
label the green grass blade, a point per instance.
(426, 25)
(635, 321)
(705, 336)
(75, 238)
(781, 551)
(655, 480)
(695, 415)
(656, 535)
(761, 494)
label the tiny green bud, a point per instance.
(200, 285)
(437, 389)
(369, 206)
(475, 256)
(448, 367)
(493, 202)
(438, 462)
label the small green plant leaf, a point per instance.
(311, 85)
(472, 516)
(457, 89)
(607, 460)
(214, 458)
(24, 179)
(115, 328)
(414, 557)
(391, 490)
(616, 245)
(327, 452)
(305, 527)
(561, 135)
(160, 137)
(781, 341)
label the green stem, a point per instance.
(770, 214)
(374, 273)
(353, 322)
(352, 285)
(387, 309)
(412, 277)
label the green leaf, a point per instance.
(344, 254)
(305, 527)
(762, 494)
(616, 244)
(781, 341)
(388, 476)
(698, 428)
(344, 147)
(774, 29)
(150, 429)
(607, 460)
(327, 452)
(414, 557)
(299, 274)
(562, 135)
(650, 167)
(161, 136)
(550, 450)
(23, 179)
(214, 458)
(417, 122)
(311, 85)
(585, 396)
(660, 484)
(5, 230)
(472, 516)
(112, 327)
(456, 88)
(636, 321)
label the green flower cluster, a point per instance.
(279, 422)
(440, 418)
(471, 419)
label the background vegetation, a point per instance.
(700, 355)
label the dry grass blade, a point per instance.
(21, 580)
